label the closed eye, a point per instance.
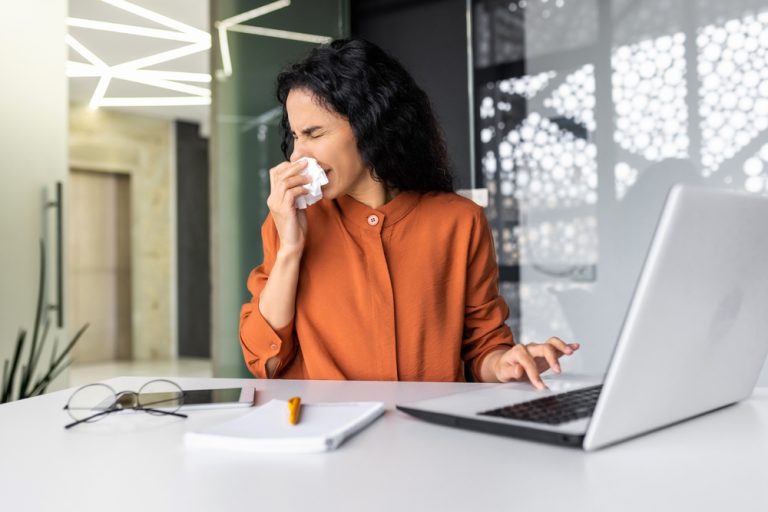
(313, 135)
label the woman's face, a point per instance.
(328, 138)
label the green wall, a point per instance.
(245, 144)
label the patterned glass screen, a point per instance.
(586, 112)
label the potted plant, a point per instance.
(33, 382)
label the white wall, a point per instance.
(33, 148)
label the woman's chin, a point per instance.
(328, 193)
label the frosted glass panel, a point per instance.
(586, 112)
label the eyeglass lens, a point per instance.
(158, 396)
(90, 400)
(161, 394)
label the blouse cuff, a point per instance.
(265, 342)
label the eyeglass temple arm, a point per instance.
(169, 413)
(158, 411)
(102, 413)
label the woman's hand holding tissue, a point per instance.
(286, 184)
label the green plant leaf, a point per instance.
(43, 383)
(5, 380)
(8, 392)
(26, 376)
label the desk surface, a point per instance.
(134, 461)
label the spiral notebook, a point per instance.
(322, 427)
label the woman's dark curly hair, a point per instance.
(397, 134)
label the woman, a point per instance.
(391, 276)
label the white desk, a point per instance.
(134, 461)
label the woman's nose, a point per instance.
(298, 150)
(296, 153)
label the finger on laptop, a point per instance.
(562, 346)
(525, 359)
(551, 354)
(546, 356)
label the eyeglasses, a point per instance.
(94, 402)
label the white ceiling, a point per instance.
(116, 48)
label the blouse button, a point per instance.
(273, 346)
(373, 220)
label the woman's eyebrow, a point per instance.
(310, 130)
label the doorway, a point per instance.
(98, 235)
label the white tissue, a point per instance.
(314, 171)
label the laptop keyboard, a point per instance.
(553, 409)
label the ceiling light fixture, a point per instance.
(282, 34)
(234, 24)
(79, 69)
(98, 94)
(163, 101)
(85, 53)
(120, 28)
(159, 58)
(133, 71)
(157, 18)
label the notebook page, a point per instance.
(321, 427)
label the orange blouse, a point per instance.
(406, 291)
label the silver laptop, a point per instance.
(694, 338)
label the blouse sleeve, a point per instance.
(485, 310)
(258, 339)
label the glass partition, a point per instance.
(253, 40)
(586, 112)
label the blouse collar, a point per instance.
(386, 214)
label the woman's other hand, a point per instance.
(286, 184)
(529, 361)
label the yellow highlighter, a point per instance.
(294, 405)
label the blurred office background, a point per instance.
(159, 120)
